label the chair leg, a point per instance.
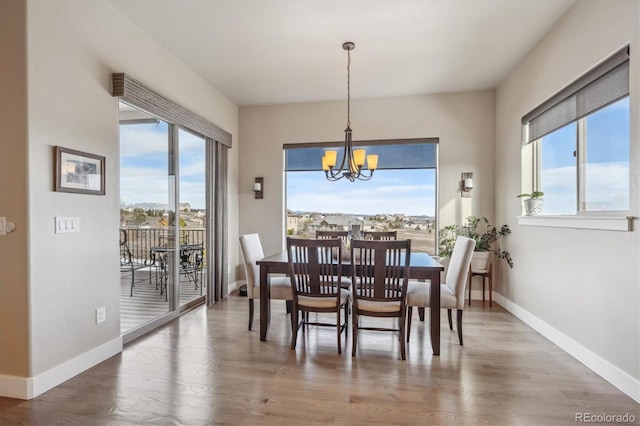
(133, 279)
(403, 347)
(294, 326)
(490, 289)
(346, 322)
(421, 314)
(483, 289)
(354, 337)
(459, 325)
(449, 316)
(339, 328)
(250, 314)
(470, 280)
(409, 313)
(288, 304)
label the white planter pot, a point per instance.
(480, 260)
(533, 206)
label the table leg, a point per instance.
(435, 312)
(265, 305)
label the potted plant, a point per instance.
(532, 203)
(485, 235)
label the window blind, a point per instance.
(396, 155)
(603, 85)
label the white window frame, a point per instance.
(619, 220)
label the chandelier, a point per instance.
(352, 163)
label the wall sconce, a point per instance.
(258, 188)
(466, 184)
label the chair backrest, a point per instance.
(312, 268)
(458, 269)
(343, 235)
(252, 252)
(125, 254)
(380, 269)
(380, 235)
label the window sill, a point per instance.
(622, 223)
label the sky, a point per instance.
(606, 174)
(410, 192)
(144, 176)
(144, 165)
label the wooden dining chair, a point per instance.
(251, 252)
(315, 284)
(381, 271)
(380, 235)
(451, 291)
(344, 239)
(343, 235)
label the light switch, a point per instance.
(3, 226)
(66, 225)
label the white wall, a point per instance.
(464, 123)
(73, 47)
(582, 283)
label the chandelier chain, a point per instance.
(348, 88)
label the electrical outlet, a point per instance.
(101, 314)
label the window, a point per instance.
(401, 196)
(580, 140)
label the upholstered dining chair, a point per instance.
(451, 291)
(252, 251)
(380, 235)
(381, 271)
(315, 283)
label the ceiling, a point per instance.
(287, 51)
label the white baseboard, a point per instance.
(477, 295)
(30, 387)
(614, 375)
(235, 286)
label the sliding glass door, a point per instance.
(163, 220)
(193, 216)
(147, 218)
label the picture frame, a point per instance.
(79, 172)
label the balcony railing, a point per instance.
(140, 241)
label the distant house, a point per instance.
(340, 223)
(292, 220)
(184, 207)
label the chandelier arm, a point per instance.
(333, 178)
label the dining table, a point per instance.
(422, 267)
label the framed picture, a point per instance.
(79, 172)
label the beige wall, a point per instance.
(583, 283)
(73, 48)
(14, 293)
(464, 123)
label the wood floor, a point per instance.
(206, 368)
